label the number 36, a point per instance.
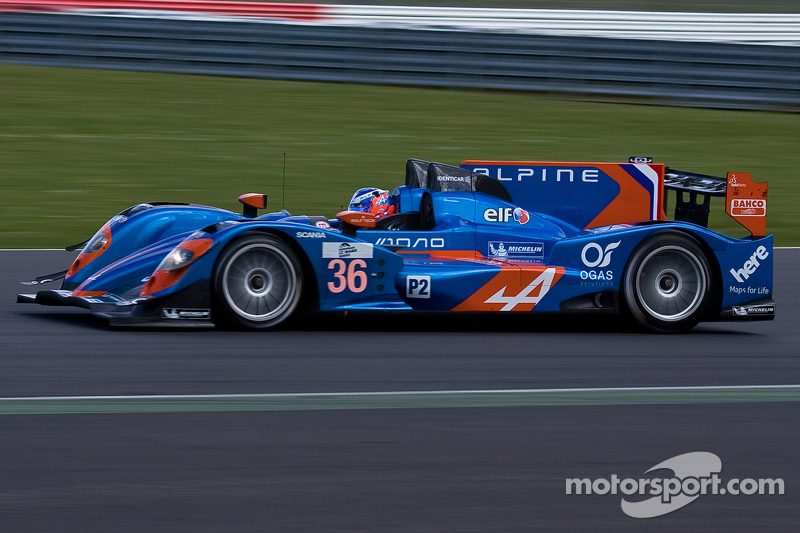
(348, 277)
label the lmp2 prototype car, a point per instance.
(488, 236)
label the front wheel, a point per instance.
(667, 284)
(257, 283)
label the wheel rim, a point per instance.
(259, 282)
(670, 283)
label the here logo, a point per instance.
(506, 214)
(750, 266)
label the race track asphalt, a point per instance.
(458, 469)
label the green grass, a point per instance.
(77, 146)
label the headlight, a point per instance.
(177, 258)
(175, 265)
(99, 240)
(96, 246)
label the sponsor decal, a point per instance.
(310, 235)
(597, 277)
(593, 255)
(747, 310)
(418, 286)
(345, 250)
(459, 179)
(656, 493)
(369, 195)
(322, 224)
(348, 276)
(506, 214)
(596, 258)
(751, 291)
(409, 242)
(750, 266)
(545, 174)
(365, 218)
(533, 251)
(734, 182)
(531, 294)
(185, 314)
(749, 207)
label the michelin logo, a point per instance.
(191, 314)
(753, 310)
(533, 251)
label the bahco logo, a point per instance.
(595, 256)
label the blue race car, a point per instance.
(488, 236)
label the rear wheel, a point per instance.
(668, 284)
(257, 284)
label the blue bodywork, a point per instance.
(483, 252)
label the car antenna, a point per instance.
(283, 184)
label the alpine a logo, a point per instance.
(506, 214)
(532, 294)
(595, 256)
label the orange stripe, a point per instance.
(632, 203)
(445, 254)
(82, 293)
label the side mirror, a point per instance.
(358, 219)
(252, 202)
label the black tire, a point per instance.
(258, 283)
(668, 284)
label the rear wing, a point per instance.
(688, 186)
(745, 200)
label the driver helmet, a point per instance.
(372, 200)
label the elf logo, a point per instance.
(750, 266)
(506, 214)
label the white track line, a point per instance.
(399, 393)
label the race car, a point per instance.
(486, 236)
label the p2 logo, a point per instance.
(418, 287)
